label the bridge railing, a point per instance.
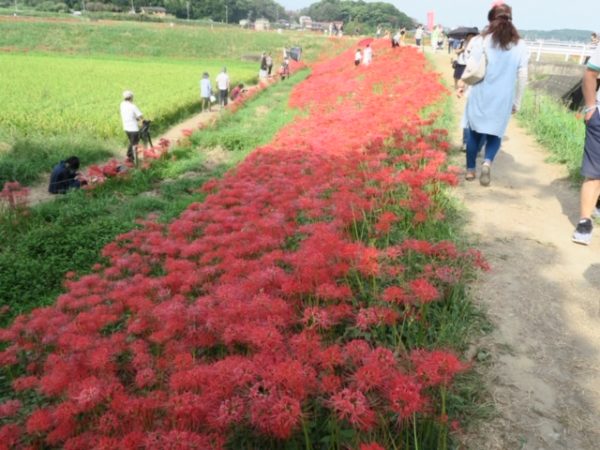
(568, 49)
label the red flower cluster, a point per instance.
(14, 195)
(240, 313)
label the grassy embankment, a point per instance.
(65, 81)
(556, 127)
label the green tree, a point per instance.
(359, 14)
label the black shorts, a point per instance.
(590, 166)
(458, 71)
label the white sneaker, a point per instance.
(583, 232)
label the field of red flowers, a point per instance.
(291, 309)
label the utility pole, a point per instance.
(132, 7)
(226, 14)
(187, 6)
(16, 7)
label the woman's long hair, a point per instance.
(503, 32)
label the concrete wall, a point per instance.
(560, 80)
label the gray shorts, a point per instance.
(590, 167)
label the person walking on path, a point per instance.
(223, 87)
(492, 101)
(205, 92)
(419, 35)
(396, 39)
(367, 55)
(462, 54)
(269, 61)
(262, 73)
(435, 34)
(590, 166)
(357, 57)
(130, 116)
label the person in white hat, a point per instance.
(131, 115)
(223, 87)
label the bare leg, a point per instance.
(590, 190)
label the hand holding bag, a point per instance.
(475, 69)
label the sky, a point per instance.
(527, 14)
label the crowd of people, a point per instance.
(494, 96)
(491, 100)
(221, 94)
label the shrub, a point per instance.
(52, 7)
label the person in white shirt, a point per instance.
(130, 115)
(367, 55)
(205, 92)
(357, 57)
(419, 35)
(223, 86)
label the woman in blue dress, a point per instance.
(492, 101)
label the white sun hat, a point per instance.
(127, 94)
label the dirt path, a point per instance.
(542, 295)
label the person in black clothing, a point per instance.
(64, 176)
(269, 61)
(263, 61)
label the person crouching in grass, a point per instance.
(64, 176)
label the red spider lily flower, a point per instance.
(386, 220)
(437, 367)
(9, 435)
(371, 446)
(395, 294)
(375, 316)
(14, 194)
(353, 406)
(40, 420)
(424, 291)
(404, 394)
(9, 408)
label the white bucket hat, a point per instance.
(127, 94)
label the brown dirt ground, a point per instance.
(543, 297)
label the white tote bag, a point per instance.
(475, 69)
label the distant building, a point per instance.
(262, 24)
(154, 11)
(305, 22)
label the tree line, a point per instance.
(231, 11)
(357, 15)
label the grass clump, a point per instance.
(556, 127)
(30, 157)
